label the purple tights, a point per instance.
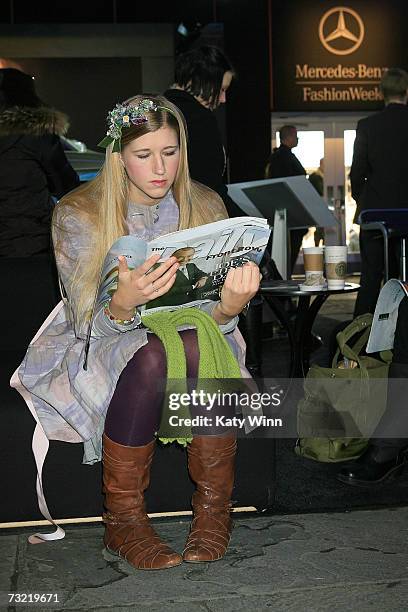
(134, 413)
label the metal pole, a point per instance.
(403, 260)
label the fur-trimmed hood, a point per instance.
(33, 121)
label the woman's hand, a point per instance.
(139, 286)
(240, 286)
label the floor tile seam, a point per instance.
(240, 594)
(320, 587)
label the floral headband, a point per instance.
(126, 115)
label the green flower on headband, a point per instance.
(125, 115)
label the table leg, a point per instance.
(305, 318)
(299, 332)
(278, 310)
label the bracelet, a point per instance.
(245, 308)
(112, 317)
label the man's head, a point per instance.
(184, 255)
(394, 86)
(288, 136)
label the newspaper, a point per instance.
(386, 315)
(205, 253)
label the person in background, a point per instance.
(202, 78)
(379, 179)
(34, 171)
(282, 163)
(317, 180)
(33, 166)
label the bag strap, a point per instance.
(358, 346)
(360, 324)
(386, 356)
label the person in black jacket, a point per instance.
(202, 78)
(33, 166)
(33, 171)
(282, 163)
(379, 179)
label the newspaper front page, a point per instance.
(205, 254)
(385, 316)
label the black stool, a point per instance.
(391, 222)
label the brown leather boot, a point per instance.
(128, 533)
(211, 461)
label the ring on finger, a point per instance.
(155, 289)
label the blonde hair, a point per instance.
(103, 202)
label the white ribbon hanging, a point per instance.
(40, 445)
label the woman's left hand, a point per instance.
(240, 286)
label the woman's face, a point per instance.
(222, 96)
(151, 162)
(226, 82)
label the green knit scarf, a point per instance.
(217, 360)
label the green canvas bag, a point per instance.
(343, 405)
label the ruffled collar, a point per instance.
(152, 210)
(151, 221)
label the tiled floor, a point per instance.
(299, 563)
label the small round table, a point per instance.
(299, 330)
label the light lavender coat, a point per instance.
(71, 402)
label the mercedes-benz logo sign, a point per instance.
(349, 28)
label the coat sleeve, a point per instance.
(360, 164)
(61, 176)
(71, 237)
(208, 307)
